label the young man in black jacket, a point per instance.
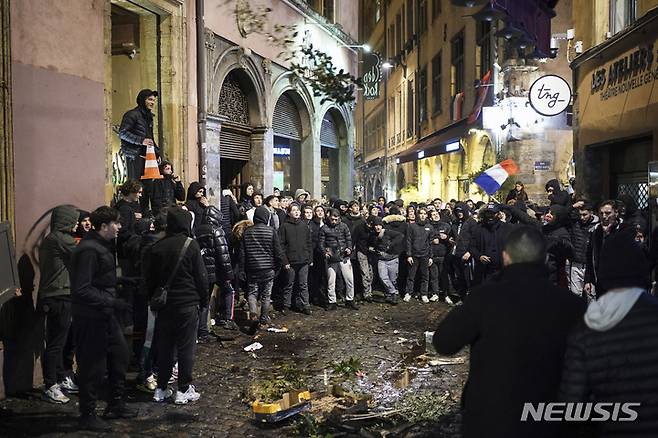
(297, 247)
(318, 277)
(136, 132)
(336, 245)
(517, 330)
(196, 202)
(419, 255)
(384, 245)
(580, 230)
(130, 212)
(487, 244)
(217, 259)
(54, 299)
(168, 190)
(463, 227)
(261, 256)
(441, 246)
(99, 338)
(176, 324)
(610, 223)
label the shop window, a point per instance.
(483, 57)
(391, 41)
(324, 8)
(410, 108)
(410, 20)
(436, 9)
(398, 34)
(422, 16)
(436, 84)
(422, 103)
(457, 64)
(622, 14)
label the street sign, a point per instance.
(550, 95)
(372, 76)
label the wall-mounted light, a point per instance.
(365, 47)
(387, 64)
(451, 147)
(421, 154)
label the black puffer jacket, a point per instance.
(193, 204)
(334, 240)
(617, 365)
(296, 242)
(385, 246)
(360, 237)
(230, 213)
(596, 242)
(190, 283)
(214, 248)
(261, 254)
(580, 235)
(137, 125)
(93, 277)
(398, 223)
(419, 239)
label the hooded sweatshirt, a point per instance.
(559, 196)
(261, 252)
(55, 253)
(189, 286)
(193, 204)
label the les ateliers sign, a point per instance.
(372, 76)
(631, 71)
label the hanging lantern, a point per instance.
(467, 3)
(509, 32)
(490, 13)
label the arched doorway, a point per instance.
(290, 123)
(333, 148)
(235, 135)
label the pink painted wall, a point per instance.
(59, 139)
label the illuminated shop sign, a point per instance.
(372, 76)
(549, 95)
(630, 71)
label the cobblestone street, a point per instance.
(387, 341)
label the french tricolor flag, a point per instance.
(493, 178)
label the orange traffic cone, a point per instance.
(151, 170)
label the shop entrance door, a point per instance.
(628, 171)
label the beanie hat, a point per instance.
(623, 263)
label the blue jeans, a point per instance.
(388, 272)
(260, 291)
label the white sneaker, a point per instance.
(161, 395)
(151, 383)
(54, 395)
(190, 395)
(424, 299)
(69, 386)
(174, 374)
(449, 301)
(407, 298)
(434, 298)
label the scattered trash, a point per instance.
(379, 332)
(447, 361)
(278, 330)
(429, 346)
(292, 403)
(396, 332)
(253, 347)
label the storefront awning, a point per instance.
(443, 141)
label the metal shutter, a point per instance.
(328, 134)
(234, 144)
(286, 121)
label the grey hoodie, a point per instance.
(611, 308)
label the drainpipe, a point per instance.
(201, 88)
(387, 72)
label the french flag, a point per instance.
(493, 178)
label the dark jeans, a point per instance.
(296, 274)
(57, 320)
(439, 277)
(203, 331)
(175, 331)
(318, 280)
(227, 302)
(100, 346)
(420, 264)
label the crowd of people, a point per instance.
(186, 264)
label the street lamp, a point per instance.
(387, 65)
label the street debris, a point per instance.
(278, 330)
(290, 404)
(253, 347)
